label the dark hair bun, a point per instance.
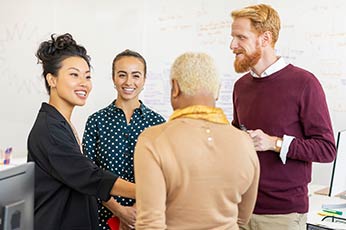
(49, 49)
(53, 52)
(62, 42)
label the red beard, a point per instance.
(247, 61)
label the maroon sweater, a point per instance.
(292, 102)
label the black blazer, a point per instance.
(67, 183)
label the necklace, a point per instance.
(76, 135)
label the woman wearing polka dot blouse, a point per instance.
(111, 133)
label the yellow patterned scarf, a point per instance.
(211, 114)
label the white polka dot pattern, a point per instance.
(110, 142)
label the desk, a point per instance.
(316, 202)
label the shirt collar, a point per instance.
(45, 107)
(142, 108)
(276, 66)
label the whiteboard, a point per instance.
(313, 36)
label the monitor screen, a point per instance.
(338, 180)
(17, 197)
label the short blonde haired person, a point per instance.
(188, 169)
(195, 72)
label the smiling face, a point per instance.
(245, 45)
(72, 84)
(128, 78)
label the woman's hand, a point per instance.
(127, 217)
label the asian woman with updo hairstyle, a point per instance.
(67, 184)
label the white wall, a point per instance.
(313, 37)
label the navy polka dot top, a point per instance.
(110, 142)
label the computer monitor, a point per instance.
(338, 179)
(17, 197)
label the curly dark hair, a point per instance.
(51, 53)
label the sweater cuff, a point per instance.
(285, 147)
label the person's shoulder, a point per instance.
(237, 135)
(51, 112)
(56, 130)
(153, 132)
(101, 113)
(152, 113)
(305, 78)
(244, 143)
(299, 72)
(48, 121)
(244, 77)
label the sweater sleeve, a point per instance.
(245, 208)
(235, 121)
(317, 144)
(150, 187)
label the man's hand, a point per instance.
(262, 141)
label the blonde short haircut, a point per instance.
(196, 72)
(263, 18)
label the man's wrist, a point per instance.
(278, 144)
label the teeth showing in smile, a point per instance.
(129, 90)
(81, 93)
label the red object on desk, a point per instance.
(113, 223)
